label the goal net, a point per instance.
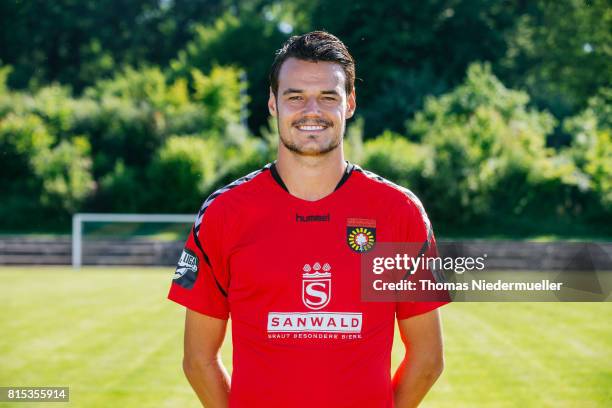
(128, 239)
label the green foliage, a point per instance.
(560, 52)
(65, 175)
(248, 41)
(22, 140)
(591, 147)
(135, 114)
(120, 190)
(146, 85)
(55, 106)
(78, 42)
(181, 170)
(397, 159)
(140, 107)
(353, 140)
(104, 151)
(38, 179)
(4, 73)
(222, 93)
(405, 51)
(121, 129)
(241, 154)
(488, 158)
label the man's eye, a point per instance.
(295, 98)
(329, 98)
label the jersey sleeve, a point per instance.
(201, 278)
(418, 231)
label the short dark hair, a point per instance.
(314, 46)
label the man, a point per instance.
(279, 251)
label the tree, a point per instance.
(591, 147)
(249, 42)
(559, 52)
(185, 166)
(489, 159)
(76, 42)
(407, 50)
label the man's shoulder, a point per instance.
(395, 195)
(237, 193)
(397, 200)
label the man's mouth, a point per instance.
(311, 128)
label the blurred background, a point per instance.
(497, 114)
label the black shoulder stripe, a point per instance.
(413, 198)
(404, 190)
(224, 189)
(200, 217)
(199, 245)
(422, 251)
(212, 272)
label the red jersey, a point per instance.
(287, 271)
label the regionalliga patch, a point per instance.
(187, 269)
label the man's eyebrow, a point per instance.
(292, 90)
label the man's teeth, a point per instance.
(311, 127)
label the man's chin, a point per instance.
(310, 151)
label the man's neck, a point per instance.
(311, 177)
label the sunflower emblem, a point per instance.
(361, 239)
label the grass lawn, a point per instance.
(112, 337)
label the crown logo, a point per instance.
(317, 274)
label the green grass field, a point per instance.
(112, 337)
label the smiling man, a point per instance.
(279, 251)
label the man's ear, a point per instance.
(272, 103)
(351, 104)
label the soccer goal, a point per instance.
(113, 228)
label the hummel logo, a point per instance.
(312, 218)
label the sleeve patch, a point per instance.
(187, 269)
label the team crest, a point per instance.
(316, 285)
(360, 234)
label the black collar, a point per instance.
(347, 173)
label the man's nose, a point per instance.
(312, 106)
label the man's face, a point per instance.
(312, 106)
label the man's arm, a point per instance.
(202, 362)
(424, 359)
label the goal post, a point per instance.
(80, 218)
